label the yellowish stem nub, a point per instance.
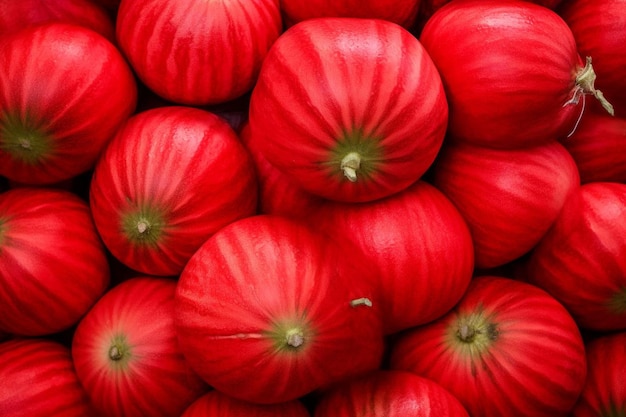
(350, 164)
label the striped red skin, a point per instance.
(183, 169)
(599, 27)
(419, 245)
(152, 378)
(67, 84)
(46, 237)
(330, 86)
(38, 380)
(581, 261)
(429, 7)
(532, 366)
(509, 198)
(277, 193)
(598, 148)
(508, 70)
(401, 12)
(16, 15)
(389, 393)
(217, 404)
(198, 52)
(253, 284)
(604, 394)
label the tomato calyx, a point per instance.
(23, 140)
(585, 85)
(474, 333)
(119, 351)
(290, 337)
(356, 155)
(144, 227)
(617, 303)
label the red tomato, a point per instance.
(509, 198)
(599, 27)
(401, 12)
(38, 380)
(581, 261)
(604, 393)
(349, 109)
(417, 242)
(170, 178)
(198, 52)
(16, 15)
(278, 194)
(53, 266)
(511, 70)
(217, 404)
(389, 394)
(268, 311)
(64, 92)
(598, 148)
(126, 352)
(508, 349)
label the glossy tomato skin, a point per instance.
(417, 242)
(604, 393)
(508, 69)
(597, 146)
(38, 380)
(401, 12)
(388, 393)
(331, 88)
(53, 266)
(64, 91)
(197, 52)
(170, 178)
(278, 194)
(528, 359)
(218, 404)
(266, 296)
(149, 375)
(581, 260)
(599, 27)
(16, 15)
(509, 198)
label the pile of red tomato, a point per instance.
(313, 208)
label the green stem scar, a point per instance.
(294, 337)
(585, 84)
(350, 165)
(24, 140)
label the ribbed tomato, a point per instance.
(197, 52)
(278, 194)
(218, 404)
(64, 91)
(16, 15)
(127, 356)
(170, 178)
(388, 393)
(349, 109)
(508, 349)
(401, 12)
(38, 380)
(53, 266)
(511, 70)
(509, 198)
(599, 27)
(418, 244)
(604, 393)
(267, 310)
(598, 148)
(581, 260)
